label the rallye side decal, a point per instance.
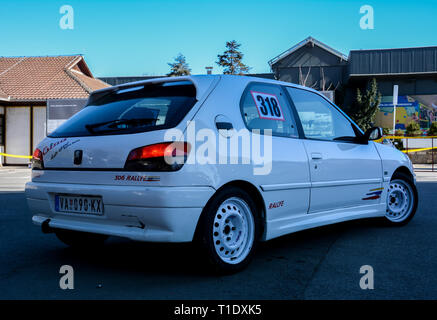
(373, 194)
(48, 148)
(63, 147)
(274, 205)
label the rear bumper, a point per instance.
(157, 214)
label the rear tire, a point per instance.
(229, 230)
(402, 200)
(79, 239)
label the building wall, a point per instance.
(319, 78)
(24, 128)
(18, 133)
(2, 125)
(26, 125)
(309, 55)
(393, 61)
(417, 99)
(312, 66)
(408, 85)
(60, 110)
(2, 133)
(113, 81)
(414, 70)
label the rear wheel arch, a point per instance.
(253, 192)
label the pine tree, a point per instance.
(366, 106)
(230, 60)
(180, 67)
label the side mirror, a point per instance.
(374, 133)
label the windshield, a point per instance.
(144, 108)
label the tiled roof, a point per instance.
(3, 96)
(42, 78)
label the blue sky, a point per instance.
(122, 38)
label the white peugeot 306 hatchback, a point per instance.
(225, 161)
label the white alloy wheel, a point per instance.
(233, 230)
(400, 201)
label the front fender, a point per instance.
(393, 159)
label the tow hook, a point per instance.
(45, 227)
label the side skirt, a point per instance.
(280, 227)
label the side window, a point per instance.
(320, 120)
(265, 106)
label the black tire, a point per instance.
(402, 177)
(206, 233)
(77, 239)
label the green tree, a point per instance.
(364, 110)
(413, 129)
(433, 129)
(230, 60)
(179, 67)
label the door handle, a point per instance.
(316, 156)
(224, 125)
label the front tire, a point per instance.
(78, 239)
(229, 230)
(402, 200)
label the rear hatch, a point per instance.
(120, 119)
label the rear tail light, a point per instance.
(37, 159)
(167, 156)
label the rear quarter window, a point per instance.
(265, 106)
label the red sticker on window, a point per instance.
(268, 106)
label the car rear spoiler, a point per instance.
(201, 83)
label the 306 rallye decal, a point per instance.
(137, 178)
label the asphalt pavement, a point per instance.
(323, 263)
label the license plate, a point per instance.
(79, 204)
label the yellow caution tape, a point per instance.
(403, 137)
(15, 156)
(417, 150)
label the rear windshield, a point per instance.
(133, 110)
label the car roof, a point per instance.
(204, 82)
(201, 82)
(228, 77)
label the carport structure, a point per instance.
(27, 86)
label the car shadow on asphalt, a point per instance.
(123, 255)
(153, 259)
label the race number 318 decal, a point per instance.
(268, 106)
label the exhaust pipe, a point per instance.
(45, 228)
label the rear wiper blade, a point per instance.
(112, 123)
